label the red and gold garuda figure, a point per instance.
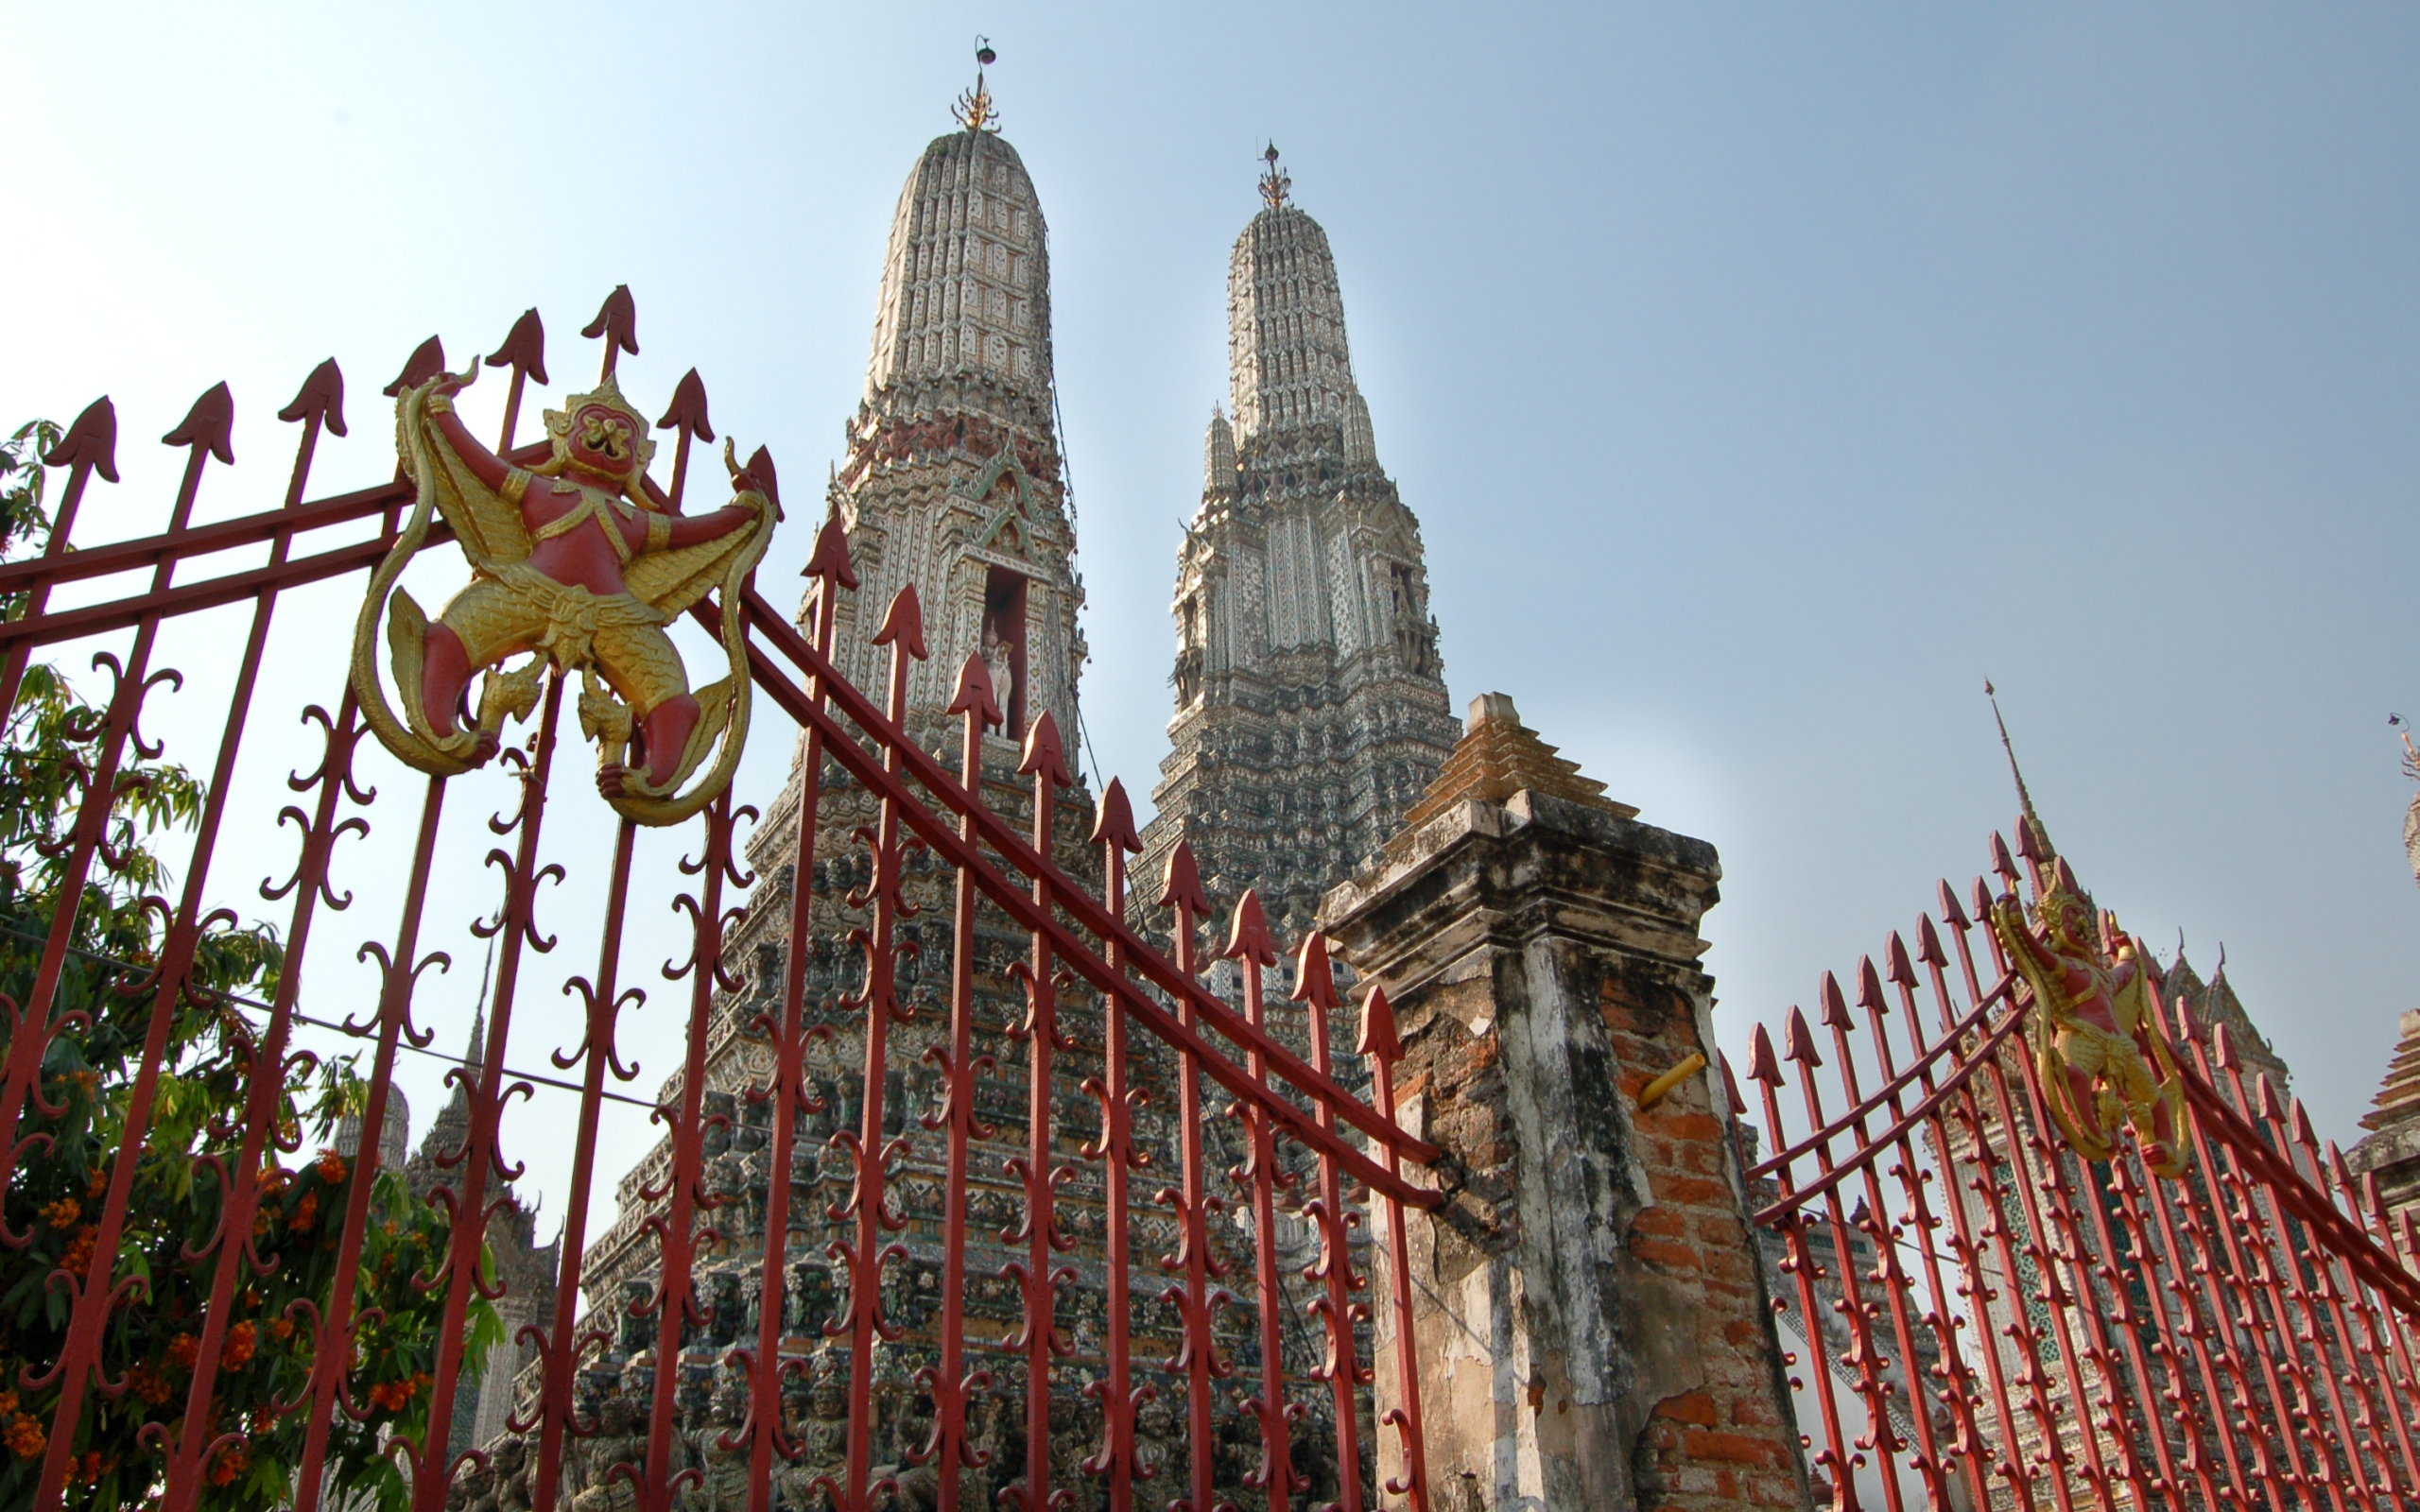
(2099, 1057)
(577, 564)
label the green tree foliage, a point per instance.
(60, 1187)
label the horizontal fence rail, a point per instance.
(1981, 1310)
(973, 1226)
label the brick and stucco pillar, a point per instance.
(1592, 1326)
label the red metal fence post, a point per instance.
(1194, 1297)
(1113, 831)
(1248, 947)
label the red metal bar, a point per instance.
(869, 1202)
(333, 1338)
(1881, 1440)
(204, 434)
(2031, 1242)
(1194, 1298)
(2093, 1255)
(564, 1341)
(1962, 1066)
(1967, 1244)
(1248, 947)
(1958, 1390)
(186, 1466)
(264, 1080)
(175, 547)
(2245, 1283)
(2361, 1427)
(1765, 1071)
(89, 446)
(763, 1429)
(2338, 1425)
(1314, 989)
(2049, 1245)
(675, 1303)
(2203, 1308)
(1887, 1273)
(465, 1198)
(2150, 1256)
(929, 775)
(1072, 935)
(1067, 945)
(1039, 1276)
(169, 602)
(2256, 1260)
(2384, 1344)
(1113, 831)
(950, 1382)
(1380, 1048)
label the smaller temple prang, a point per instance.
(1311, 708)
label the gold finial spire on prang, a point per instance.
(2041, 835)
(2410, 752)
(974, 109)
(1275, 182)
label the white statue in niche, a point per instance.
(998, 661)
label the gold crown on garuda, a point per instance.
(607, 395)
(2069, 912)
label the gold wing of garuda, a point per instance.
(492, 532)
(670, 580)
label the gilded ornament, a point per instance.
(576, 565)
(2099, 1057)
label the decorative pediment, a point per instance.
(1004, 532)
(1006, 527)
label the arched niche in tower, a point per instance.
(1003, 643)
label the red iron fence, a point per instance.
(2053, 1250)
(255, 1403)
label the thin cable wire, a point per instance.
(299, 1016)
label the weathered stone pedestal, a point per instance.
(1593, 1331)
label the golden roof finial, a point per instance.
(974, 109)
(2410, 753)
(1276, 182)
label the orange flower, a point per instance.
(79, 1250)
(241, 1340)
(331, 1167)
(183, 1350)
(233, 1463)
(282, 1330)
(151, 1385)
(90, 1472)
(8, 1403)
(62, 1213)
(306, 1212)
(26, 1437)
(99, 1183)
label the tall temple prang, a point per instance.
(2389, 1155)
(952, 479)
(1310, 701)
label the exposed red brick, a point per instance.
(1666, 1252)
(1696, 1190)
(1738, 1449)
(1688, 1407)
(1681, 1124)
(1660, 1221)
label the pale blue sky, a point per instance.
(1764, 378)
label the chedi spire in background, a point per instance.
(1311, 707)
